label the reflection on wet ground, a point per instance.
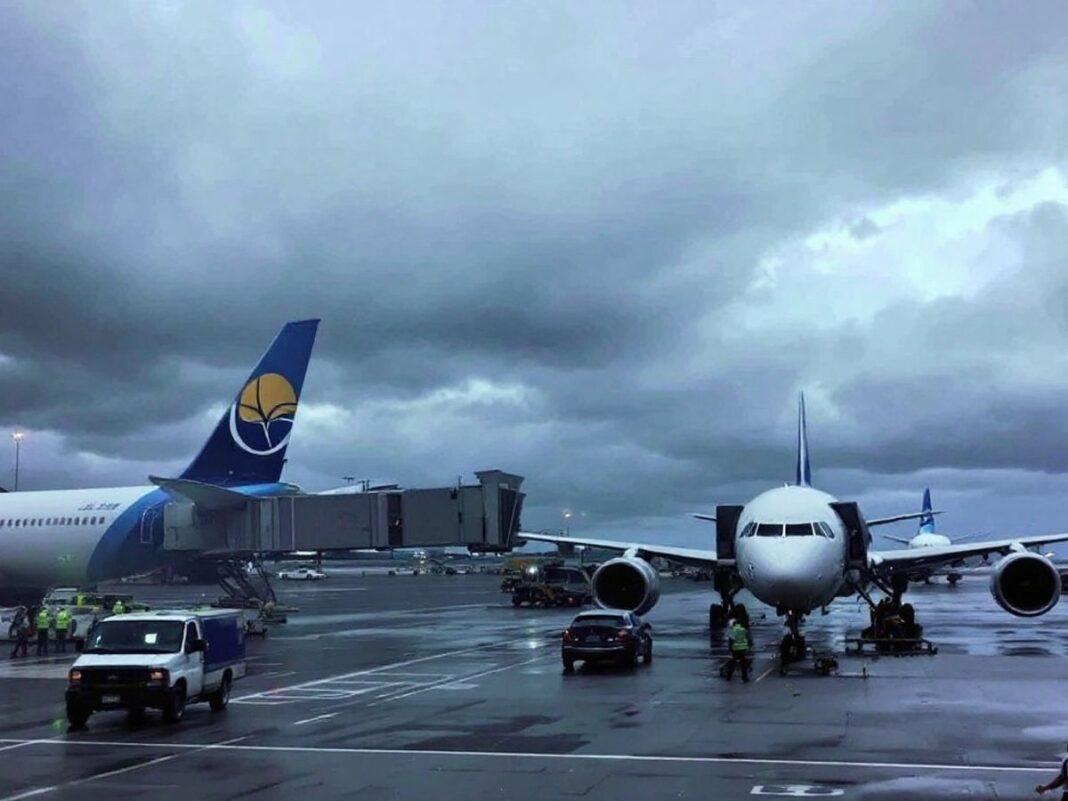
(404, 687)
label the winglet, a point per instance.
(804, 471)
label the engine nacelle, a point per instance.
(1025, 584)
(627, 583)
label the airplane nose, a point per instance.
(787, 572)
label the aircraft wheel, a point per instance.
(717, 616)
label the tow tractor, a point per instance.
(554, 585)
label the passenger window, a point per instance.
(769, 530)
(798, 529)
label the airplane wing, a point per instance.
(697, 557)
(890, 561)
(882, 521)
(902, 540)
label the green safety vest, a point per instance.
(44, 620)
(62, 619)
(118, 608)
(739, 637)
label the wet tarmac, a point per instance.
(436, 687)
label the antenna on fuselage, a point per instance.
(804, 471)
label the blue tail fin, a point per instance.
(927, 524)
(804, 471)
(248, 446)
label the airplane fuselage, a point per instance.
(82, 536)
(791, 548)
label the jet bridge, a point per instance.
(216, 522)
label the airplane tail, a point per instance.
(248, 446)
(927, 523)
(804, 471)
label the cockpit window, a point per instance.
(798, 529)
(826, 530)
(749, 530)
(769, 530)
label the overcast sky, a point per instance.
(600, 245)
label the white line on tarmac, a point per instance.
(576, 757)
(369, 671)
(453, 680)
(316, 718)
(108, 774)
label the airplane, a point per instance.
(82, 536)
(796, 549)
(927, 537)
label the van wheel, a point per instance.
(175, 709)
(77, 715)
(222, 696)
(569, 666)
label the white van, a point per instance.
(162, 660)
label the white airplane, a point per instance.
(78, 537)
(796, 549)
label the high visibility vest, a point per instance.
(62, 620)
(119, 608)
(44, 620)
(739, 637)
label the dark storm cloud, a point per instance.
(569, 203)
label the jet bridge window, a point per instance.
(769, 530)
(798, 529)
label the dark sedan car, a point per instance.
(607, 635)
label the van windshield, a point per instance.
(135, 637)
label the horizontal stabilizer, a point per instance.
(205, 496)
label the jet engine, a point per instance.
(1025, 584)
(627, 583)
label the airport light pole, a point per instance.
(17, 436)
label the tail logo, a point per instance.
(262, 416)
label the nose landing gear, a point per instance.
(793, 647)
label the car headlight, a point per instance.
(75, 677)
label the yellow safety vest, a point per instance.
(44, 620)
(119, 608)
(62, 620)
(739, 637)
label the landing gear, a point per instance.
(793, 647)
(954, 578)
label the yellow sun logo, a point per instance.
(265, 400)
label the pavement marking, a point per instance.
(451, 680)
(316, 718)
(368, 671)
(108, 774)
(765, 674)
(232, 745)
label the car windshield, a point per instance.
(600, 620)
(136, 637)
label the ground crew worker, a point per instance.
(44, 623)
(63, 620)
(1060, 781)
(119, 608)
(22, 632)
(79, 600)
(738, 639)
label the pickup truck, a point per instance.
(160, 660)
